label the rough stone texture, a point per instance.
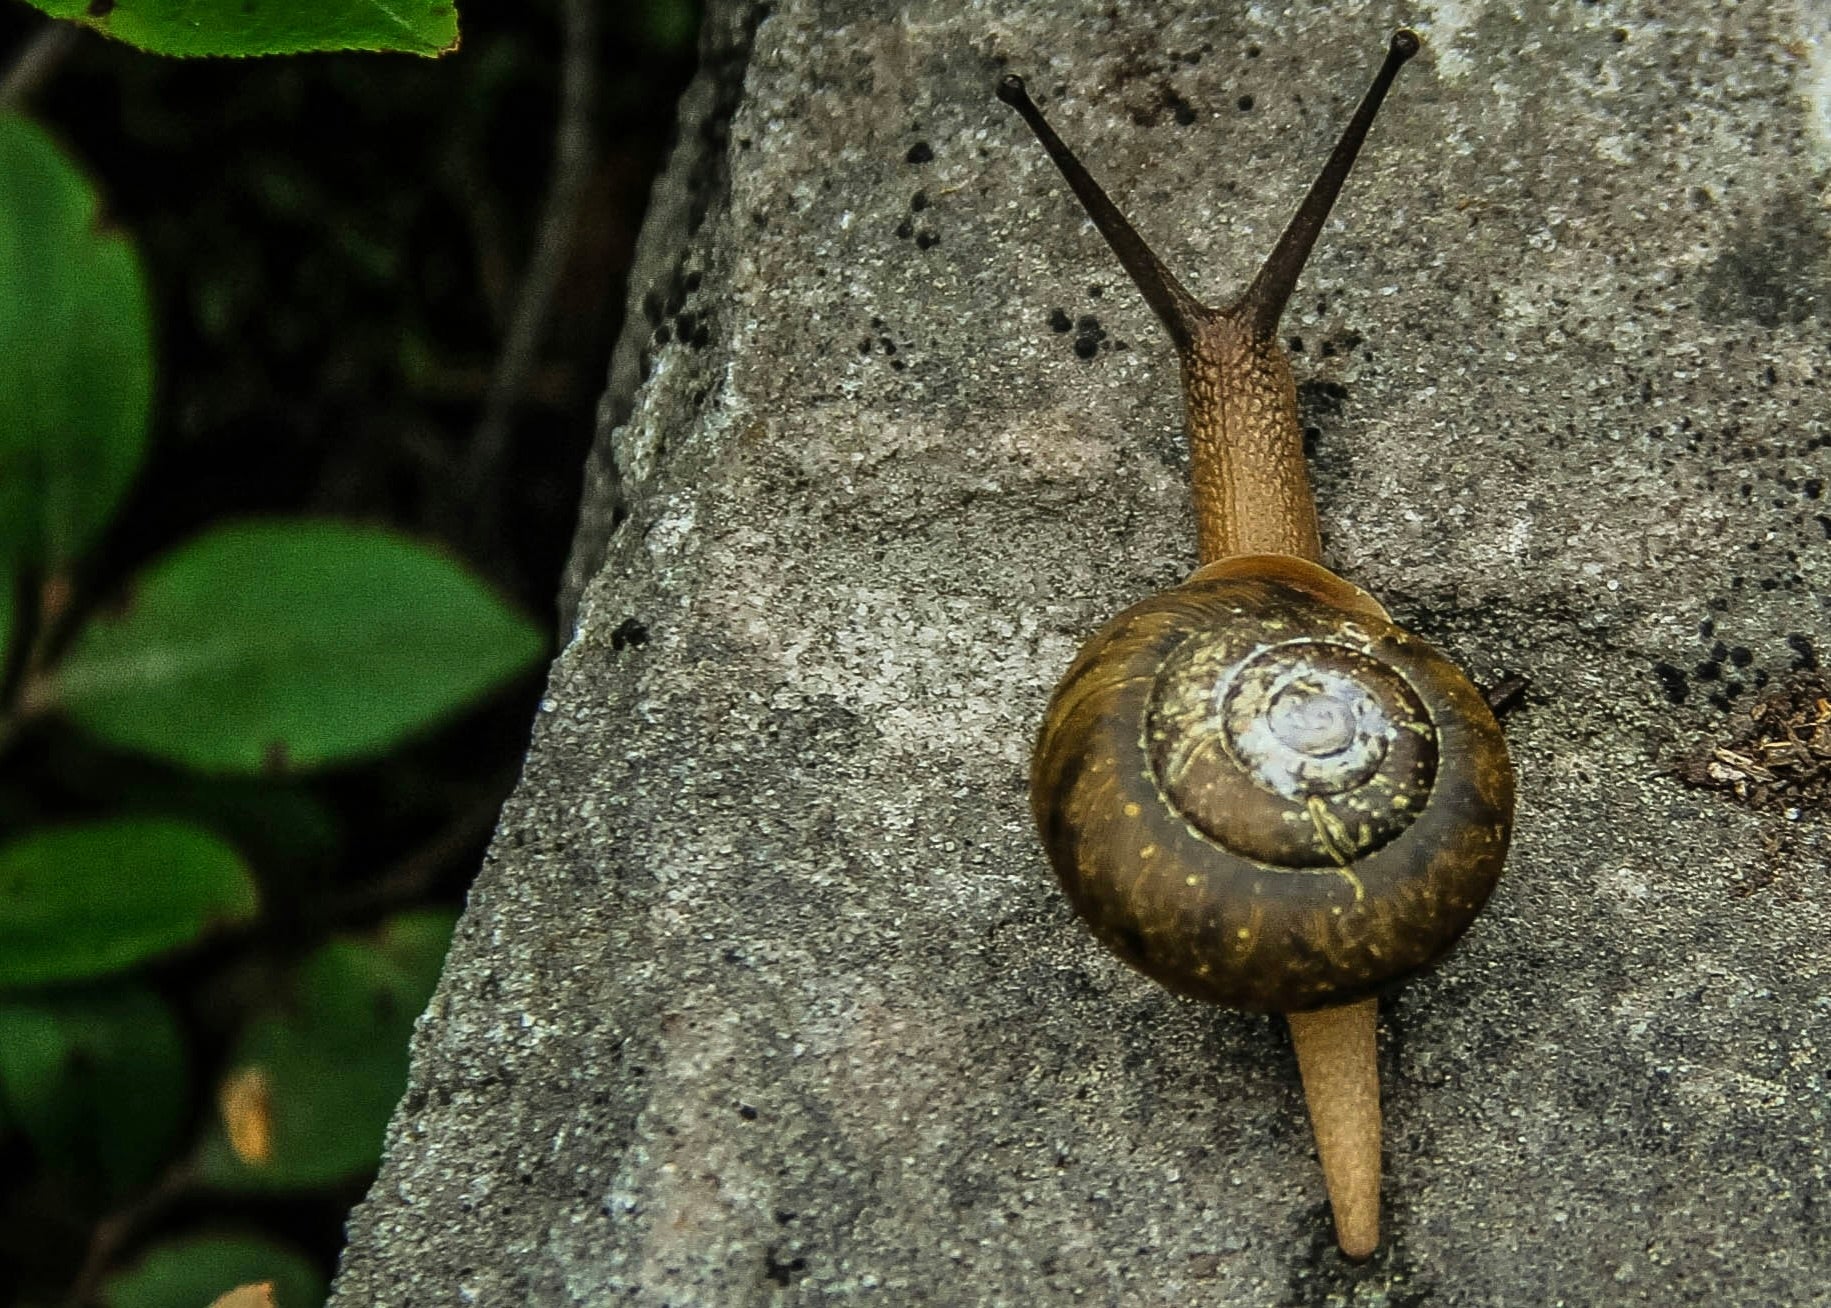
(765, 996)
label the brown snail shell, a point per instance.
(1260, 792)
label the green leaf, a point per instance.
(83, 901)
(97, 1081)
(192, 1273)
(76, 364)
(258, 27)
(332, 1059)
(284, 645)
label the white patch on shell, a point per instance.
(1300, 728)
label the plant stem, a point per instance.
(116, 1229)
(36, 62)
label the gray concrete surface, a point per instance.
(765, 995)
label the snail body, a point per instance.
(1254, 787)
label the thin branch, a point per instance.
(36, 62)
(572, 153)
(115, 1231)
(409, 880)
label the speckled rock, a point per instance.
(765, 996)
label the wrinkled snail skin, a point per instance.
(1254, 787)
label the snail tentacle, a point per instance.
(1263, 303)
(1180, 312)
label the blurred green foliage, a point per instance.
(81, 902)
(326, 1060)
(231, 824)
(261, 647)
(191, 1273)
(72, 1063)
(263, 27)
(297, 643)
(76, 364)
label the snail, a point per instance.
(1254, 787)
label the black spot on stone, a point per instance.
(1060, 321)
(920, 153)
(918, 201)
(746, 1112)
(1245, 103)
(782, 1272)
(927, 240)
(1322, 399)
(1673, 682)
(905, 229)
(1805, 657)
(1089, 335)
(630, 634)
(1773, 270)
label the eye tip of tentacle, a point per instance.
(1405, 43)
(1011, 89)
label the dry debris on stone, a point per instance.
(1782, 757)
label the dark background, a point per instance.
(334, 246)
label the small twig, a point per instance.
(32, 693)
(115, 1230)
(408, 881)
(56, 596)
(572, 151)
(1507, 694)
(36, 62)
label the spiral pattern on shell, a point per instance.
(1259, 791)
